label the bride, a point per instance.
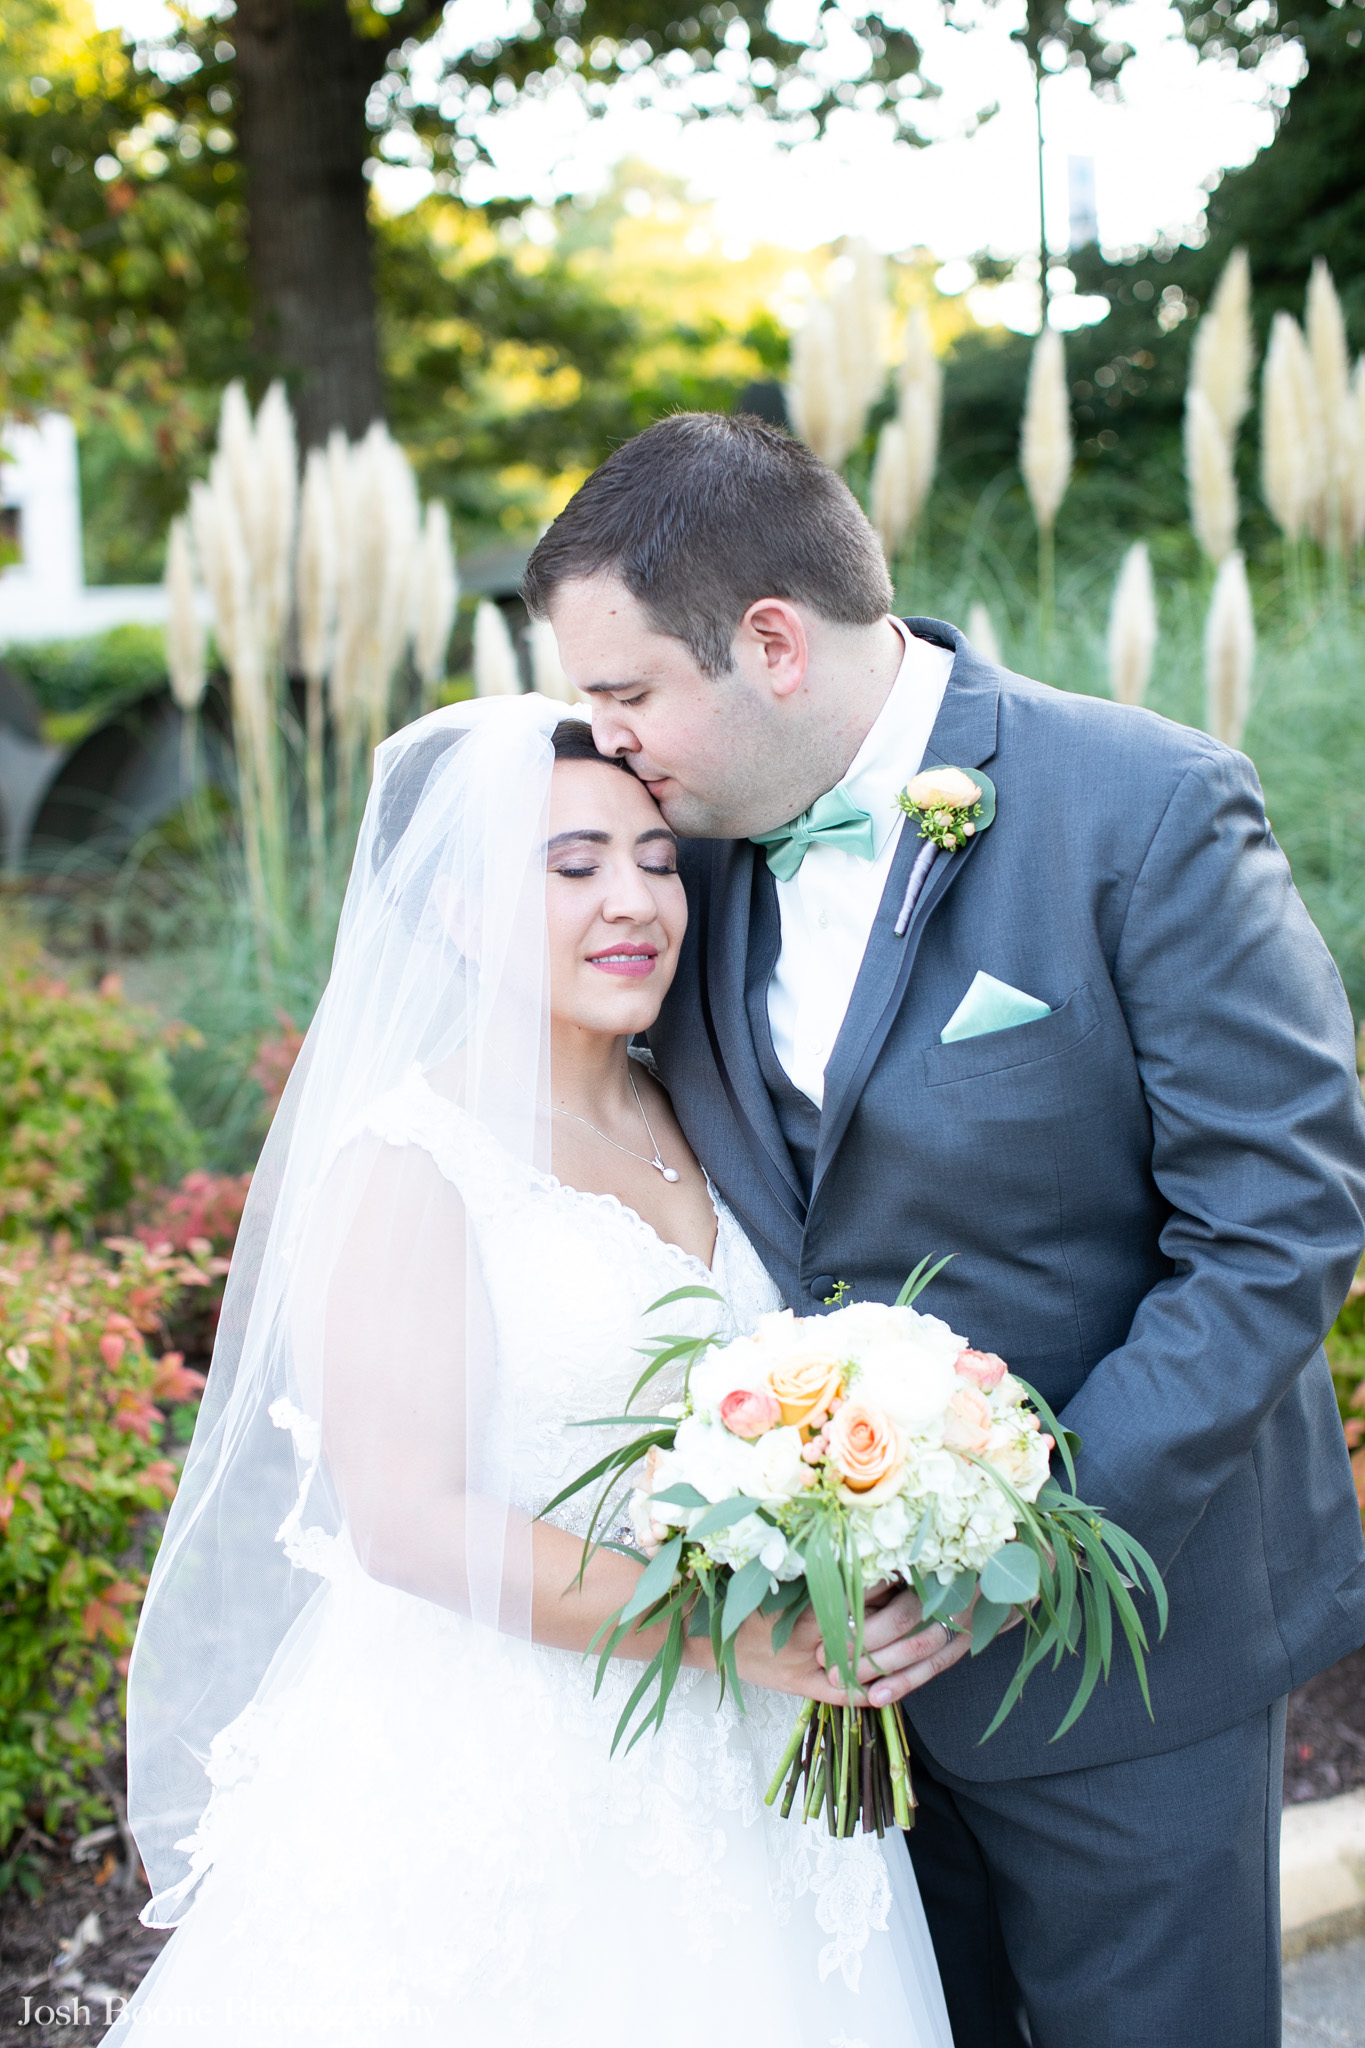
(371, 1784)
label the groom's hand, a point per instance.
(896, 1661)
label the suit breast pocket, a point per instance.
(1062, 1062)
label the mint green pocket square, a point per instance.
(991, 1005)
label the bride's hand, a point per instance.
(795, 1668)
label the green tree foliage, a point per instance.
(1304, 196)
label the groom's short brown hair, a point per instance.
(700, 516)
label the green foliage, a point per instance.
(90, 675)
(84, 1393)
(87, 1115)
(123, 295)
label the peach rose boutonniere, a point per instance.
(950, 808)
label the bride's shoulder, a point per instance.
(416, 1113)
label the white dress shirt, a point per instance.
(829, 905)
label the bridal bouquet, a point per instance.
(822, 1456)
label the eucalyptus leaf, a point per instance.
(654, 1580)
(988, 1618)
(746, 1589)
(1010, 1578)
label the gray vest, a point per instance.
(797, 1115)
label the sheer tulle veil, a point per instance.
(354, 1341)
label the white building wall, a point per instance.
(44, 596)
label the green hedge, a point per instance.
(87, 1115)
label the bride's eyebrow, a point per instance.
(657, 832)
(571, 838)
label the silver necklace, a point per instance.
(668, 1172)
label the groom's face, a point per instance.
(708, 748)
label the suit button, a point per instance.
(822, 1286)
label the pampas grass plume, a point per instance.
(1209, 473)
(1288, 428)
(1132, 627)
(819, 403)
(981, 632)
(547, 674)
(890, 492)
(1224, 346)
(438, 593)
(1045, 443)
(317, 567)
(496, 673)
(1229, 653)
(277, 499)
(1325, 328)
(184, 629)
(1354, 497)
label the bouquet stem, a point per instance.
(854, 1763)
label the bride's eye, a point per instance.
(575, 874)
(649, 868)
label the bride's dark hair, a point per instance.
(572, 741)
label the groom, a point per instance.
(1096, 1049)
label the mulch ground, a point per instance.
(63, 1955)
(1324, 1749)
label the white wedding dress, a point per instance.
(416, 1829)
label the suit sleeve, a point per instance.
(1245, 1047)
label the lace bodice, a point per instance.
(597, 1268)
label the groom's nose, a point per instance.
(611, 735)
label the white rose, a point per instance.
(778, 1471)
(711, 1458)
(913, 1386)
(717, 1374)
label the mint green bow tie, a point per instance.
(832, 820)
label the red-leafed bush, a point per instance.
(275, 1058)
(200, 1217)
(86, 1386)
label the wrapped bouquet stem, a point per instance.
(821, 1457)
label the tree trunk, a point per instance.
(305, 77)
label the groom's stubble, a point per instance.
(723, 755)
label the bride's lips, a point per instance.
(633, 962)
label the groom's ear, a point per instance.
(772, 634)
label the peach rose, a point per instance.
(969, 1421)
(982, 1368)
(805, 1386)
(749, 1412)
(862, 1445)
(940, 789)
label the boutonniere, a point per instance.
(950, 807)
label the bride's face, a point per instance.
(614, 904)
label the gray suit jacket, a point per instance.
(1155, 1193)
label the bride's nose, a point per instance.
(628, 896)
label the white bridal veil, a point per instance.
(355, 1369)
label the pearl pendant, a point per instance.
(668, 1172)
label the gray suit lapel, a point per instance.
(963, 737)
(722, 957)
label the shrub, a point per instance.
(200, 1215)
(1346, 1350)
(85, 1387)
(93, 674)
(87, 1116)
